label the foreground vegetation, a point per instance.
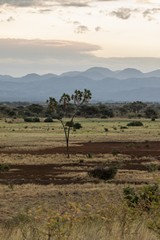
(90, 211)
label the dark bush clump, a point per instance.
(104, 173)
(29, 119)
(135, 124)
(4, 167)
(36, 119)
(77, 126)
(48, 119)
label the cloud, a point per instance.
(150, 13)
(20, 3)
(44, 3)
(76, 23)
(10, 19)
(144, 1)
(49, 3)
(21, 56)
(123, 13)
(98, 28)
(67, 3)
(81, 29)
(35, 49)
(46, 10)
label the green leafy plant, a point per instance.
(144, 198)
(152, 167)
(4, 167)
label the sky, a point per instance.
(54, 36)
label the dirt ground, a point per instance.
(76, 173)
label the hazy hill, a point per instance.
(105, 84)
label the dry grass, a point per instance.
(35, 135)
(100, 208)
(77, 212)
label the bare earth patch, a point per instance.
(70, 172)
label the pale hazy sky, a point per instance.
(59, 35)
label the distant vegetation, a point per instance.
(31, 112)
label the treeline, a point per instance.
(136, 109)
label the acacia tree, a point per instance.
(60, 110)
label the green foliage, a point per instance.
(131, 197)
(36, 119)
(146, 198)
(69, 124)
(152, 167)
(106, 130)
(135, 124)
(115, 152)
(104, 173)
(29, 119)
(77, 126)
(4, 167)
(48, 119)
(150, 112)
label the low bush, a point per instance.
(135, 124)
(29, 119)
(104, 173)
(36, 119)
(115, 152)
(152, 167)
(4, 167)
(48, 119)
(77, 126)
(145, 198)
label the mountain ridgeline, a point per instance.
(106, 85)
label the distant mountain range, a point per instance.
(106, 85)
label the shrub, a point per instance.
(131, 197)
(106, 130)
(115, 152)
(48, 119)
(29, 119)
(145, 198)
(4, 167)
(152, 167)
(104, 173)
(77, 126)
(135, 124)
(36, 119)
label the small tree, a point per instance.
(59, 110)
(151, 113)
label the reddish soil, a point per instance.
(70, 173)
(130, 148)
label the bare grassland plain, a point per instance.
(44, 195)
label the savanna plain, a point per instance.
(46, 196)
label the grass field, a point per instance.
(95, 209)
(20, 134)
